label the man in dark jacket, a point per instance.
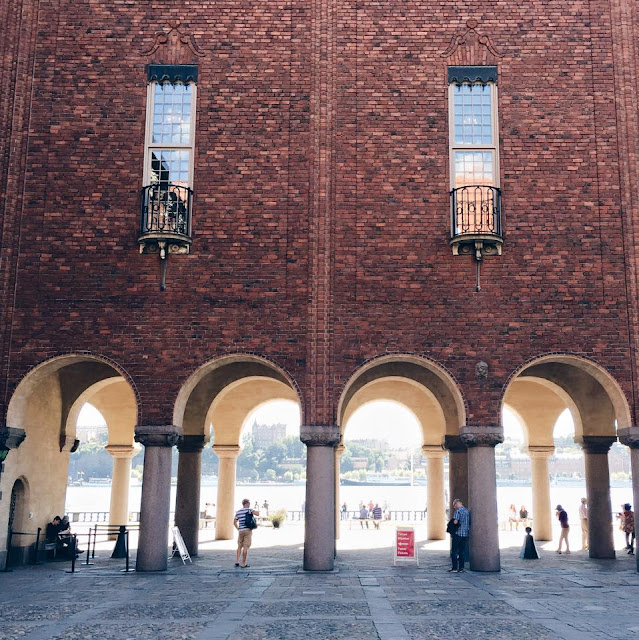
(565, 529)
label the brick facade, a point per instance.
(321, 215)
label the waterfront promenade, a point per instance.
(561, 597)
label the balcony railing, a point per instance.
(476, 210)
(166, 210)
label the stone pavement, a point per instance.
(366, 597)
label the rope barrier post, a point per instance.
(87, 563)
(74, 548)
(127, 570)
(95, 535)
(37, 546)
(6, 561)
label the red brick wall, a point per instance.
(394, 285)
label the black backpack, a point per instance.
(249, 521)
(451, 527)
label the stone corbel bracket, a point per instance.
(11, 438)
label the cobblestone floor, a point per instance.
(366, 597)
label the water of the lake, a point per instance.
(290, 497)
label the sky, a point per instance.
(374, 421)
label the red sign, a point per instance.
(405, 543)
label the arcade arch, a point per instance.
(46, 404)
(213, 405)
(432, 395)
(539, 392)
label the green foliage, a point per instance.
(91, 460)
(278, 516)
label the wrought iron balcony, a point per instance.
(476, 220)
(165, 221)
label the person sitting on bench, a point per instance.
(51, 535)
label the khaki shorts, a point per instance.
(244, 537)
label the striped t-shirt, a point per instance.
(240, 516)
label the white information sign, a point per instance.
(180, 547)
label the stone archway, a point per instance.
(539, 392)
(214, 403)
(45, 405)
(116, 402)
(433, 396)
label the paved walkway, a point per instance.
(567, 596)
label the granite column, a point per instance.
(319, 534)
(482, 496)
(155, 508)
(187, 499)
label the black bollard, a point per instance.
(120, 544)
(528, 549)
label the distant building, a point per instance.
(90, 433)
(265, 435)
(376, 445)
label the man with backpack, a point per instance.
(244, 522)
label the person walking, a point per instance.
(565, 529)
(461, 520)
(245, 535)
(628, 526)
(363, 516)
(377, 515)
(583, 518)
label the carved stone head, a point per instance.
(481, 370)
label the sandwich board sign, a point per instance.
(180, 547)
(405, 547)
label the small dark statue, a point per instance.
(528, 549)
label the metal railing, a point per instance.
(408, 515)
(89, 516)
(475, 209)
(166, 208)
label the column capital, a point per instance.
(226, 450)
(433, 451)
(166, 435)
(339, 449)
(480, 436)
(191, 444)
(121, 450)
(320, 435)
(11, 438)
(595, 444)
(454, 444)
(540, 452)
(629, 436)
